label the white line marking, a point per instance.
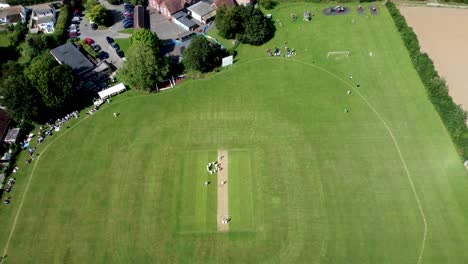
(34, 168)
(423, 243)
(410, 179)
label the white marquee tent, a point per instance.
(112, 90)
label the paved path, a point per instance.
(223, 201)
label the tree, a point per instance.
(99, 15)
(228, 21)
(143, 70)
(89, 4)
(268, 4)
(201, 55)
(55, 83)
(247, 24)
(147, 38)
(257, 29)
(20, 98)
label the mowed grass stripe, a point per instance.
(241, 191)
(197, 202)
(329, 186)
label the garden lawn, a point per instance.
(308, 182)
(123, 43)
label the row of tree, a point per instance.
(452, 115)
(246, 24)
(36, 92)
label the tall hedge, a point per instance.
(60, 30)
(453, 116)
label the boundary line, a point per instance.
(390, 132)
(410, 179)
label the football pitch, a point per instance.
(308, 183)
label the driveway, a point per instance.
(99, 36)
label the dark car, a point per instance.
(96, 47)
(114, 46)
(130, 25)
(128, 14)
(109, 39)
(128, 5)
(103, 55)
(120, 54)
(94, 26)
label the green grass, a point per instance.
(127, 31)
(319, 186)
(4, 41)
(241, 190)
(196, 206)
(124, 44)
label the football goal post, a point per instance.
(337, 55)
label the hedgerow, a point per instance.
(453, 116)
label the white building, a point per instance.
(202, 12)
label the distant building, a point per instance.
(202, 12)
(218, 3)
(182, 20)
(43, 18)
(70, 55)
(12, 15)
(89, 73)
(169, 7)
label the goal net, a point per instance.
(337, 55)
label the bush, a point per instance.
(452, 115)
(60, 31)
(247, 24)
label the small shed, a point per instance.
(307, 16)
(202, 12)
(12, 136)
(181, 19)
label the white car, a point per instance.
(76, 19)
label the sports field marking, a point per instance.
(32, 174)
(390, 132)
(254, 60)
(223, 197)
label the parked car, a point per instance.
(129, 25)
(128, 5)
(96, 47)
(114, 46)
(109, 39)
(94, 26)
(76, 19)
(72, 30)
(103, 55)
(73, 35)
(89, 41)
(75, 22)
(77, 13)
(120, 54)
(128, 15)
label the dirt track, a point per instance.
(223, 184)
(443, 34)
